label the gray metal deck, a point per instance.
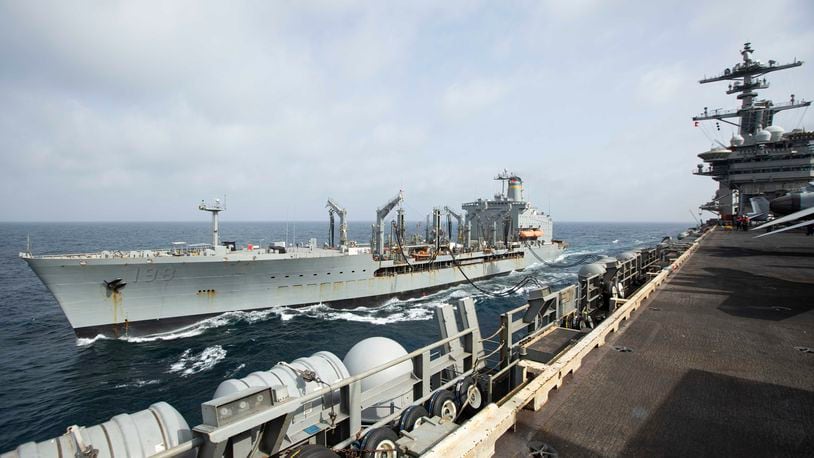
(714, 368)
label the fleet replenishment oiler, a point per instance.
(149, 291)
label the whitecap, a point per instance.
(198, 328)
(235, 371)
(137, 384)
(391, 312)
(192, 363)
(83, 341)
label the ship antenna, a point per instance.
(28, 243)
(215, 208)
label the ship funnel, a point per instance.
(515, 188)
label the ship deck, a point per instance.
(718, 364)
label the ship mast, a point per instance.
(215, 208)
(785, 161)
(754, 115)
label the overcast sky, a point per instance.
(128, 111)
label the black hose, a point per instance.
(507, 292)
(403, 254)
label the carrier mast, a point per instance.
(215, 208)
(754, 115)
(761, 159)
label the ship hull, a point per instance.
(162, 294)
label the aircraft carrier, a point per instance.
(149, 291)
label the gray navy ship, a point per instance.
(151, 291)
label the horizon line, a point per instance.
(297, 221)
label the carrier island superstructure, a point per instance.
(148, 291)
(762, 159)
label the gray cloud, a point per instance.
(137, 110)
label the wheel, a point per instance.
(442, 404)
(313, 451)
(468, 396)
(411, 417)
(380, 443)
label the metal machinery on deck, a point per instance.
(334, 207)
(379, 400)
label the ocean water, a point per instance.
(49, 380)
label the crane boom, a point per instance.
(381, 214)
(458, 218)
(334, 207)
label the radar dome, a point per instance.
(763, 136)
(736, 140)
(591, 269)
(373, 352)
(776, 132)
(627, 255)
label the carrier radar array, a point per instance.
(762, 159)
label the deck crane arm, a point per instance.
(334, 207)
(381, 214)
(458, 218)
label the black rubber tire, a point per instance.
(460, 391)
(442, 404)
(374, 439)
(471, 408)
(410, 416)
(313, 451)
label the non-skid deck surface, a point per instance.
(714, 370)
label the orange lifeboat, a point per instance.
(421, 255)
(530, 234)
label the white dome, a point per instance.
(736, 140)
(776, 132)
(588, 270)
(763, 136)
(373, 352)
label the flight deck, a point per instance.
(720, 361)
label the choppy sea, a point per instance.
(50, 380)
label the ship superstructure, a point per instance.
(147, 291)
(762, 158)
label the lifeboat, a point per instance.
(530, 234)
(421, 255)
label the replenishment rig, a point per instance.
(454, 397)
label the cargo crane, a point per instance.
(334, 207)
(381, 214)
(215, 208)
(451, 214)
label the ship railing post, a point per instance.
(505, 340)
(421, 366)
(448, 327)
(354, 393)
(469, 320)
